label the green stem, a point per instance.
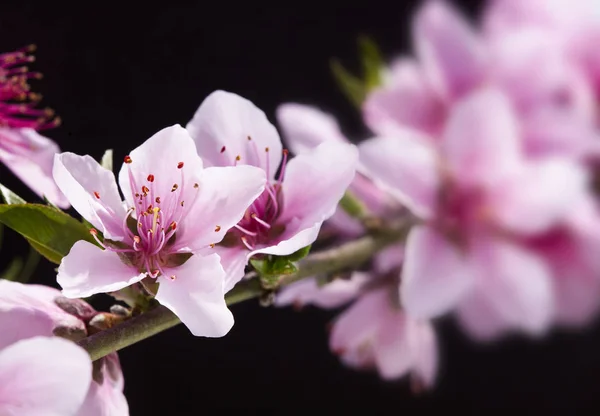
(345, 257)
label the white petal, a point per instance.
(196, 295)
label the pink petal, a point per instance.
(305, 127)
(43, 376)
(39, 302)
(389, 259)
(405, 166)
(531, 67)
(21, 322)
(330, 295)
(480, 320)
(406, 102)
(423, 345)
(435, 275)
(355, 330)
(315, 182)
(516, 285)
(227, 120)
(540, 196)
(88, 270)
(82, 180)
(31, 159)
(160, 156)
(556, 134)
(107, 398)
(233, 260)
(452, 55)
(224, 194)
(393, 355)
(293, 239)
(481, 143)
(196, 295)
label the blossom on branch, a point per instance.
(22, 149)
(63, 370)
(299, 195)
(174, 211)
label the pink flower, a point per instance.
(374, 332)
(575, 27)
(304, 128)
(570, 251)
(230, 131)
(553, 96)
(28, 154)
(173, 210)
(30, 311)
(44, 376)
(478, 196)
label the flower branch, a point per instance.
(345, 257)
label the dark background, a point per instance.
(118, 75)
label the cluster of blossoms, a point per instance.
(488, 135)
(484, 143)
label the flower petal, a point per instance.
(30, 156)
(305, 127)
(516, 284)
(423, 344)
(88, 270)
(355, 330)
(293, 239)
(161, 156)
(43, 376)
(407, 102)
(330, 295)
(435, 275)
(540, 196)
(233, 260)
(107, 398)
(452, 55)
(82, 180)
(481, 143)
(393, 355)
(224, 194)
(21, 322)
(315, 182)
(225, 121)
(404, 165)
(196, 295)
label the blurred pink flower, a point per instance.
(44, 376)
(305, 127)
(478, 196)
(173, 210)
(30, 311)
(573, 26)
(28, 154)
(374, 331)
(231, 131)
(552, 95)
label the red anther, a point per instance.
(127, 159)
(150, 178)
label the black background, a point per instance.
(118, 75)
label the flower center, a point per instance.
(17, 103)
(259, 222)
(150, 225)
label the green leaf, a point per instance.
(352, 86)
(52, 233)
(107, 160)
(298, 255)
(352, 205)
(9, 197)
(372, 62)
